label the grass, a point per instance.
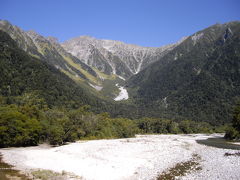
(181, 169)
(51, 175)
(73, 77)
(103, 75)
(109, 88)
(78, 67)
(34, 55)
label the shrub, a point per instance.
(232, 133)
(17, 129)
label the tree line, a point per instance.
(27, 120)
(30, 121)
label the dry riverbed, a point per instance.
(145, 157)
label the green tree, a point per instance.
(17, 129)
(124, 127)
(173, 127)
(236, 118)
(233, 132)
(185, 126)
(53, 126)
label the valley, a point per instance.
(93, 108)
(175, 74)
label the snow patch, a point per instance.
(175, 57)
(98, 88)
(123, 95)
(57, 67)
(121, 77)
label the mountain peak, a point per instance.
(32, 32)
(52, 39)
(5, 22)
(83, 38)
(86, 37)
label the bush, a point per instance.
(53, 125)
(236, 119)
(234, 131)
(232, 134)
(17, 129)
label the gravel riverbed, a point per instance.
(143, 157)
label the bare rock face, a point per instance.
(114, 57)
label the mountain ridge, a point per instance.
(133, 58)
(49, 51)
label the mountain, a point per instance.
(50, 51)
(22, 73)
(114, 57)
(96, 64)
(25, 76)
(199, 79)
(196, 78)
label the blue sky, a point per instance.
(142, 22)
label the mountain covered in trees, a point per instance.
(22, 73)
(199, 79)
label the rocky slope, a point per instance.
(114, 57)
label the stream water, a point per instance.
(219, 143)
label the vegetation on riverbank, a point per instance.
(233, 132)
(27, 120)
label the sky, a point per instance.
(150, 23)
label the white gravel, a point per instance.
(143, 157)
